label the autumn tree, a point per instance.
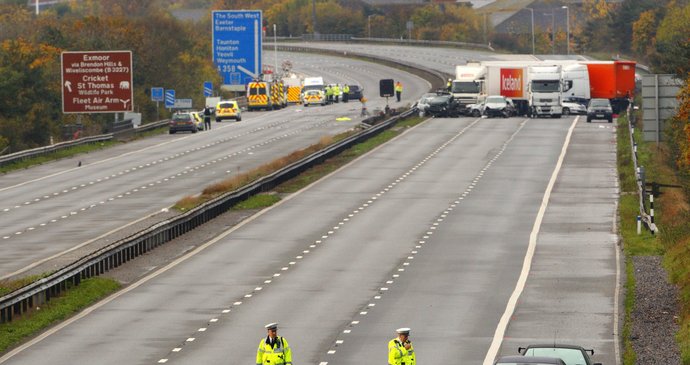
(673, 42)
(29, 93)
(644, 33)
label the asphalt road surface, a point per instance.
(430, 231)
(51, 210)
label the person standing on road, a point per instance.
(400, 350)
(207, 118)
(273, 350)
(346, 93)
(398, 90)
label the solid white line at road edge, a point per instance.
(527, 263)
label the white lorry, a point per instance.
(468, 83)
(545, 91)
(575, 79)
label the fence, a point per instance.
(648, 219)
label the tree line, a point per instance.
(173, 53)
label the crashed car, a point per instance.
(572, 107)
(493, 106)
(443, 105)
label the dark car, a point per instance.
(599, 109)
(182, 122)
(356, 92)
(570, 354)
(529, 360)
(443, 105)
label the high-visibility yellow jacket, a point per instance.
(398, 87)
(278, 354)
(399, 355)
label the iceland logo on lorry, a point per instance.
(511, 82)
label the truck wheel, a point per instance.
(566, 111)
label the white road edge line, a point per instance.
(527, 263)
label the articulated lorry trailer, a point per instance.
(613, 80)
(509, 81)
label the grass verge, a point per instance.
(63, 153)
(58, 309)
(306, 177)
(628, 210)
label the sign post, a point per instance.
(157, 96)
(236, 46)
(97, 82)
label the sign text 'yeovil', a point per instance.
(97, 82)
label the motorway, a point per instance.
(479, 234)
(50, 210)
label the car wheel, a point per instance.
(194, 130)
(566, 111)
(171, 132)
(611, 120)
(556, 115)
(476, 113)
(589, 120)
(218, 120)
(239, 119)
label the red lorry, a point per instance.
(613, 80)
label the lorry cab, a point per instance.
(545, 91)
(576, 83)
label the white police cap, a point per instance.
(403, 331)
(272, 326)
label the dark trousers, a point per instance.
(397, 95)
(207, 123)
(346, 97)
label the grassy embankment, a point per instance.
(672, 219)
(92, 290)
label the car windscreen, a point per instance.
(469, 87)
(312, 87)
(599, 103)
(495, 100)
(545, 86)
(441, 99)
(226, 105)
(569, 356)
(182, 117)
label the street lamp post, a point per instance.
(532, 13)
(553, 31)
(275, 53)
(567, 27)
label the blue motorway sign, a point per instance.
(169, 98)
(208, 88)
(237, 45)
(157, 94)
